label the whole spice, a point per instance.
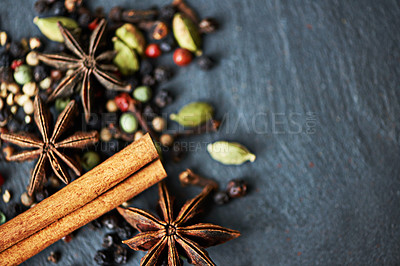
(167, 237)
(133, 16)
(128, 123)
(208, 25)
(49, 149)
(230, 153)
(132, 37)
(182, 57)
(236, 188)
(26, 200)
(3, 218)
(39, 73)
(221, 197)
(153, 50)
(125, 59)
(23, 74)
(142, 93)
(54, 257)
(49, 26)
(159, 30)
(159, 123)
(6, 196)
(186, 33)
(193, 114)
(85, 66)
(89, 160)
(188, 177)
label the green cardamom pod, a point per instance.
(132, 37)
(193, 114)
(186, 33)
(125, 59)
(230, 153)
(49, 27)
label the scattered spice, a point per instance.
(236, 188)
(54, 257)
(230, 153)
(85, 66)
(168, 237)
(48, 149)
(188, 177)
(6, 196)
(26, 200)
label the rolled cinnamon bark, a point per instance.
(124, 191)
(79, 192)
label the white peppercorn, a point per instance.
(32, 58)
(159, 123)
(30, 89)
(28, 107)
(111, 106)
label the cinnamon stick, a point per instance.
(124, 191)
(79, 192)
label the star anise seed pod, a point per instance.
(170, 235)
(86, 65)
(50, 149)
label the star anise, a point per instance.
(50, 149)
(173, 235)
(84, 67)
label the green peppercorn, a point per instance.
(61, 103)
(23, 74)
(128, 123)
(142, 93)
(2, 218)
(89, 160)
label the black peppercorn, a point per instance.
(95, 224)
(163, 98)
(162, 74)
(236, 188)
(6, 75)
(167, 13)
(14, 125)
(221, 198)
(109, 240)
(104, 257)
(168, 44)
(16, 50)
(5, 60)
(120, 255)
(84, 19)
(110, 221)
(149, 112)
(41, 6)
(205, 62)
(115, 14)
(148, 80)
(41, 195)
(40, 73)
(58, 8)
(146, 67)
(133, 81)
(125, 231)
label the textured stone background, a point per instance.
(312, 88)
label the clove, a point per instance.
(211, 125)
(117, 14)
(188, 177)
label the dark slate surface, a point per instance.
(312, 88)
